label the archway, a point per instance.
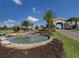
(59, 26)
(59, 23)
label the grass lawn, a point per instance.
(71, 46)
(10, 31)
(6, 31)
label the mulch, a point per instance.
(51, 50)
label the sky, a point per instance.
(15, 11)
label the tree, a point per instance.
(66, 25)
(26, 23)
(4, 27)
(75, 19)
(36, 27)
(43, 27)
(16, 28)
(49, 16)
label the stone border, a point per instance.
(25, 46)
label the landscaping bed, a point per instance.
(53, 49)
(71, 46)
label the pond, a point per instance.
(28, 39)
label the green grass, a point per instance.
(6, 31)
(9, 31)
(71, 46)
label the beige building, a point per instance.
(59, 23)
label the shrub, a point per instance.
(16, 28)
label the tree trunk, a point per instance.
(49, 26)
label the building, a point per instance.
(59, 23)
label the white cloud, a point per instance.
(18, 2)
(34, 9)
(9, 23)
(30, 18)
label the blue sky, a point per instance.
(18, 10)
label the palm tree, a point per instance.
(49, 16)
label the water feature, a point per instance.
(28, 39)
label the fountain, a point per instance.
(26, 41)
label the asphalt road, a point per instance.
(73, 34)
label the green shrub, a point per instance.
(16, 28)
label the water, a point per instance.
(28, 39)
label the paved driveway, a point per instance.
(72, 34)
